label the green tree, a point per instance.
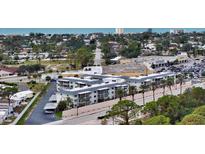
(132, 50)
(125, 111)
(120, 93)
(48, 78)
(61, 106)
(157, 120)
(35, 76)
(200, 111)
(169, 106)
(193, 119)
(151, 108)
(198, 93)
(85, 56)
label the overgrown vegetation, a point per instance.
(187, 108)
(35, 102)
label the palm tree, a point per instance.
(120, 93)
(180, 80)
(132, 91)
(153, 86)
(35, 76)
(143, 88)
(170, 83)
(39, 77)
(163, 84)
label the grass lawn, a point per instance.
(45, 62)
(36, 87)
(60, 65)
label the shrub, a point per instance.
(157, 120)
(61, 106)
(48, 78)
(200, 110)
(193, 119)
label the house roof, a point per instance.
(9, 69)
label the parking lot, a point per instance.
(38, 117)
(193, 69)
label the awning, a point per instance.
(103, 89)
(147, 80)
(85, 92)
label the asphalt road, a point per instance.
(38, 117)
(90, 119)
(98, 55)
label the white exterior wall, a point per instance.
(93, 70)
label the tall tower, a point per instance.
(119, 30)
(149, 30)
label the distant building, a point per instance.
(149, 30)
(176, 31)
(119, 30)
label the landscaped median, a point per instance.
(22, 117)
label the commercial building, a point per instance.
(162, 61)
(176, 31)
(99, 88)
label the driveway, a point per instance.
(38, 117)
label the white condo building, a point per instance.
(91, 89)
(119, 30)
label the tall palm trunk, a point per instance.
(133, 97)
(143, 99)
(153, 95)
(163, 90)
(180, 88)
(170, 88)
